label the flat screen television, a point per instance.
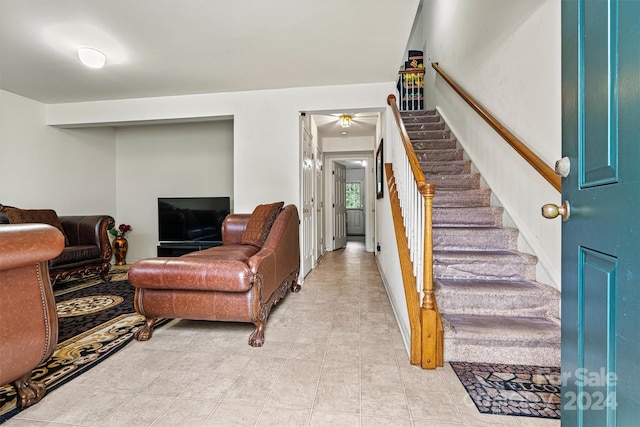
(191, 219)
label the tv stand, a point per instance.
(178, 249)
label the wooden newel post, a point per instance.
(428, 313)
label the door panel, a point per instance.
(601, 240)
(355, 212)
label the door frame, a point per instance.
(369, 195)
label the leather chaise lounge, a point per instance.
(238, 281)
(28, 317)
(87, 248)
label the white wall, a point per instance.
(168, 160)
(506, 54)
(69, 170)
(356, 143)
(266, 128)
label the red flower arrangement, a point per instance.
(121, 231)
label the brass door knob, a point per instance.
(551, 211)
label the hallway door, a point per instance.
(355, 206)
(339, 206)
(601, 239)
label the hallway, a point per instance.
(333, 356)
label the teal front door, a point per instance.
(601, 239)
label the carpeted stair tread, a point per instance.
(478, 197)
(504, 265)
(497, 298)
(475, 238)
(484, 216)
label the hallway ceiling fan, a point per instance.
(362, 123)
(346, 119)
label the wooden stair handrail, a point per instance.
(427, 335)
(536, 162)
(423, 186)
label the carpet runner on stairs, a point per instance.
(493, 309)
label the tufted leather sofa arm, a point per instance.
(89, 251)
(233, 227)
(28, 318)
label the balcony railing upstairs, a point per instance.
(410, 87)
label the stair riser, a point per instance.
(421, 120)
(429, 134)
(438, 155)
(475, 239)
(459, 182)
(412, 127)
(451, 168)
(496, 270)
(466, 217)
(434, 144)
(524, 304)
(419, 114)
(449, 199)
(537, 355)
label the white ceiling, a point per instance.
(170, 47)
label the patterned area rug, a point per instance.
(95, 320)
(529, 391)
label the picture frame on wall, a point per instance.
(379, 171)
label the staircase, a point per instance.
(492, 308)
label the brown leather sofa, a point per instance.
(239, 281)
(28, 317)
(87, 248)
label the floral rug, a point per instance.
(529, 391)
(95, 320)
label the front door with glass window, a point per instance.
(355, 213)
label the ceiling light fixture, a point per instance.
(91, 57)
(345, 121)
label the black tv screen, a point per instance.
(191, 219)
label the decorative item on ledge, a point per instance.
(120, 244)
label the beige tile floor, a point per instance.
(333, 356)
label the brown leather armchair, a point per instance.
(28, 317)
(87, 248)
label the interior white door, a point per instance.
(319, 205)
(339, 206)
(307, 200)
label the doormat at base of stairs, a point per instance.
(517, 390)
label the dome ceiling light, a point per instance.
(91, 57)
